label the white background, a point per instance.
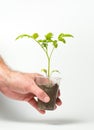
(75, 60)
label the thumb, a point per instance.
(39, 93)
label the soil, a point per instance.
(52, 92)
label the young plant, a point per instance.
(48, 45)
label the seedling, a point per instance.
(48, 45)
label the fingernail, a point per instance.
(46, 99)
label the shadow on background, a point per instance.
(63, 121)
(9, 112)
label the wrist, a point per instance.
(5, 73)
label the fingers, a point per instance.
(34, 103)
(59, 93)
(58, 102)
(39, 93)
(41, 80)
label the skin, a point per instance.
(23, 86)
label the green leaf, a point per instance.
(53, 71)
(44, 45)
(67, 35)
(64, 35)
(23, 35)
(48, 36)
(60, 38)
(49, 40)
(44, 40)
(44, 70)
(63, 40)
(40, 40)
(55, 44)
(35, 35)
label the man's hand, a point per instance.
(22, 86)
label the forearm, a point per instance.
(4, 73)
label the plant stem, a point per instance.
(48, 58)
(51, 52)
(48, 67)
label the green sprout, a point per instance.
(48, 45)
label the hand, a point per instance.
(22, 86)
